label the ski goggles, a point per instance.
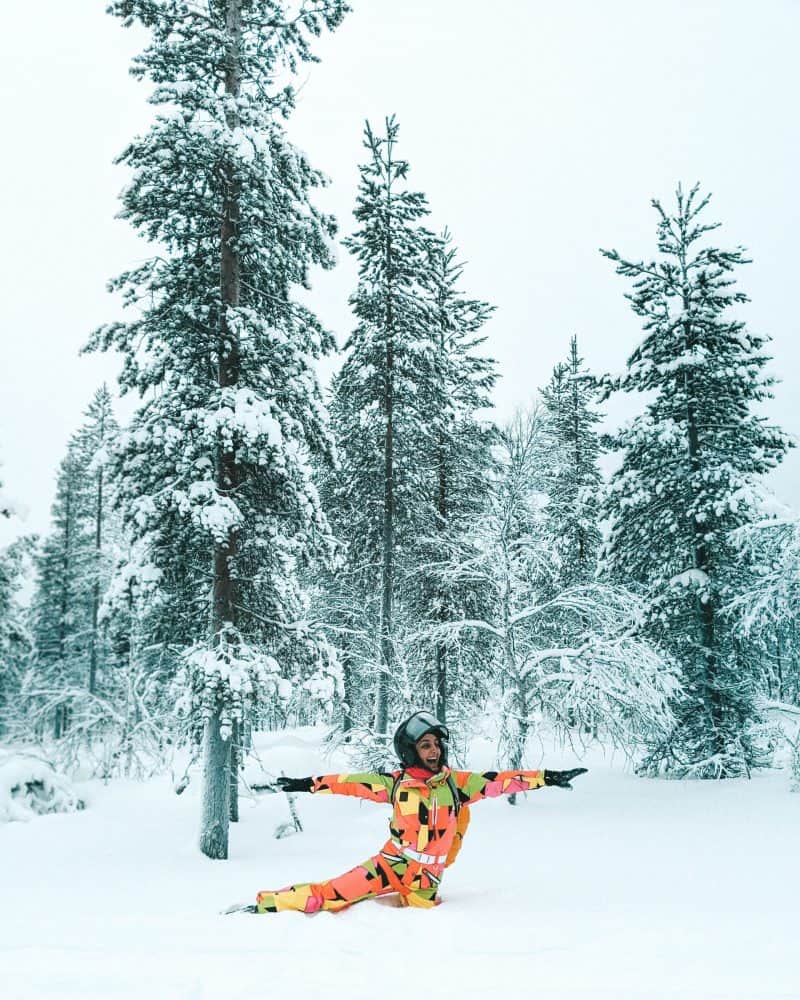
(423, 722)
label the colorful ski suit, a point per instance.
(422, 829)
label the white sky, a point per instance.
(539, 132)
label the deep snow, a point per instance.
(623, 888)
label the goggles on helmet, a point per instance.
(423, 722)
(412, 730)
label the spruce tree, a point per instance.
(555, 655)
(61, 604)
(690, 466)
(766, 607)
(574, 485)
(215, 463)
(456, 448)
(95, 442)
(73, 568)
(342, 602)
(15, 638)
(388, 369)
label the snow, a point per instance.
(29, 787)
(244, 412)
(695, 358)
(695, 578)
(99, 460)
(623, 888)
(12, 507)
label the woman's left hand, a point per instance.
(561, 779)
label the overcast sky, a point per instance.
(539, 132)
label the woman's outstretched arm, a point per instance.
(475, 785)
(377, 787)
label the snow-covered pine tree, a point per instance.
(15, 639)
(388, 369)
(766, 611)
(574, 486)
(341, 603)
(766, 607)
(567, 657)
(216, 459)
(61, 604)
(516, 563)
(94, 444)
(457, 451)
(136, 613)
(689, 468)
(73, 568)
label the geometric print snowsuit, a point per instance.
(422, 828)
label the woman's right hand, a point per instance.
(294, 784)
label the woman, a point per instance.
(426, 828)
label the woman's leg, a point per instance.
(362, 882)
(420, 885)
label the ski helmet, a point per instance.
(413, 729)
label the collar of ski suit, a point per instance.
(423, 775)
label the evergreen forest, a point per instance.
(255, 548)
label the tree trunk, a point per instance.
(704, 609)
(441, 682)
(216, 790)
(217, 751)
(387, 608)
(441, 648)
(236, 757)
(126, 742)
(347, 681)
(387, 636)
(576, 430)
(61, 718)
(510, 662)
(518, 754)
(131, 714)
(98, 533)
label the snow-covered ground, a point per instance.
(623, 888)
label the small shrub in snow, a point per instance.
(29, 787)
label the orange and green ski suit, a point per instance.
(422, 830)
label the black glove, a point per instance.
(561, 779)
(294, 784)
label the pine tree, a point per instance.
(458, 445)
(689, 470)
(567, 657)
(341, 602)
(73, 570)
(766, 607)
(61, 605)
(15, 639)
(95, 442)
(518, 563)
(387, 373)
(766, 611)
(215, 464)
(574, 487)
